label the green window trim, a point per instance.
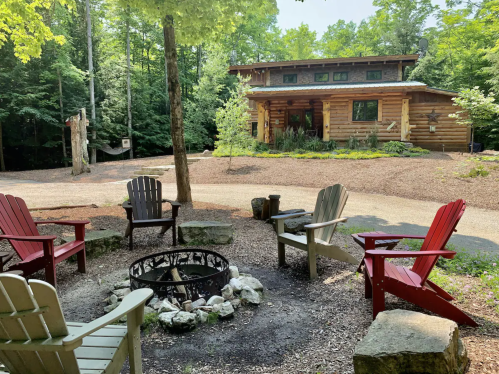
(374, 75)
(290, 78)
(325, 77)
(339, 76)
(365, 111)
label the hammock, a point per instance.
(113, 151)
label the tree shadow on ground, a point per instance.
(244, 170)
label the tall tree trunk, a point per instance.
(63, 135)
(177, 123)
(472, 139)
(93, 157)
(2, 161)
(128, 81)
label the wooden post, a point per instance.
(326, 119)
(267, 122)
(400, 72)
(267, 78)
(405, 130)
(79, 143)
(261, 121)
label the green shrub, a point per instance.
(419, 150)
(257, 146)
(330, 145)
(372, 138)
(477, 171)
(300, 138)
(353, 142)
(394, 147)
(314, 144)
(300, 151)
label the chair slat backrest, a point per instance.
(17, 296)
(441, 229)
(15, 219)
(329, 206)
(145, 196)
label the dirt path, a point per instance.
(478, 229)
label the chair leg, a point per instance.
(134, 319)
(368, 287)
(378, 295)
(127, 231)
(130, 239)
(82, 261)
(50, 276)
(312, 263)
(174, 234)
(442, 293)
(281, 253)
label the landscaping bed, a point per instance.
(300, 327)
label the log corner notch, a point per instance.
(79, 149)
(326, 118)
(267, 122)
(405, 128)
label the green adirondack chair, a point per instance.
(328, 209)
(35, 338)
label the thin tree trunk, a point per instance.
(166, 81)
(472, 138)
(2, 160)
(128, 81)
(63, 135)
(93, 157)
(177, 123)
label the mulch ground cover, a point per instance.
(301, 327)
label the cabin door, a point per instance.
(295, 119)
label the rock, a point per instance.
(227, 292)
(227, 310)
(236, 285)
(215, 300)
(184, 321)
(166, 306)
(149, 310)
(99, 242)
(202, 316)
(291, 211)
(120, 285)
(121, 293)
(245, 275)
(217, 308)
(236, 303)
(153, 302)
(233, 272)
(205, 308)
(198, 303)
(251, 282)
(257, 206)
(205, 233)
(250, 296)
(401, 341)
(293, 225)
(187, 305)
(113, 299)
(165, 319)
(111, 307)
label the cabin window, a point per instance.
(289, 78)
(374, 75)
(295, 118)
(366, 110)
(340, 76)
(322, 77)
(254, 129)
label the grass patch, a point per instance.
(212, 318)
(151, 320)
(349, 230)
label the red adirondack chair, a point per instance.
(37, 252)
(412, 284)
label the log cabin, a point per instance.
(336, 98)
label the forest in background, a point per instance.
(38, 94)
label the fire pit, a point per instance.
(184, 274)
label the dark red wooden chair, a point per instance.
(144, 208)
(412, 284)
(36, 251)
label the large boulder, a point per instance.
(251, 282)
(257, 206)
(401, 341)
(293, 225)
(99, 242)
(205, 233)
(250, 296)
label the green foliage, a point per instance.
(477, 171)
(212, 318)
(257, 146)
(330, 145)
(300, 43)
(353, 142)
(418, 150)
(394, 147)
(349, 230)
(314, 144)
(151, 320)
(372, 138)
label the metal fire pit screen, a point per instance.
(204, 273)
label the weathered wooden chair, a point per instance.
(38, 252)
(144, 209)
(412, 284)
(328, 209)
(35, 338)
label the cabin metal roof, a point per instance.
(322, 87)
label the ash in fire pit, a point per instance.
(184, 274)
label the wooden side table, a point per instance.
(388, 244)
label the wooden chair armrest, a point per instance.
(127, 205)
(63, 223)
(292, 215)
(388, 236)
(131, 302)
(408, 254)
(173, 203)
(314, 226)
(47, 238)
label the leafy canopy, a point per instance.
(478, 109)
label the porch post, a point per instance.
(326, 119)
(267, 122)
(405, 129)
(261, 121)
